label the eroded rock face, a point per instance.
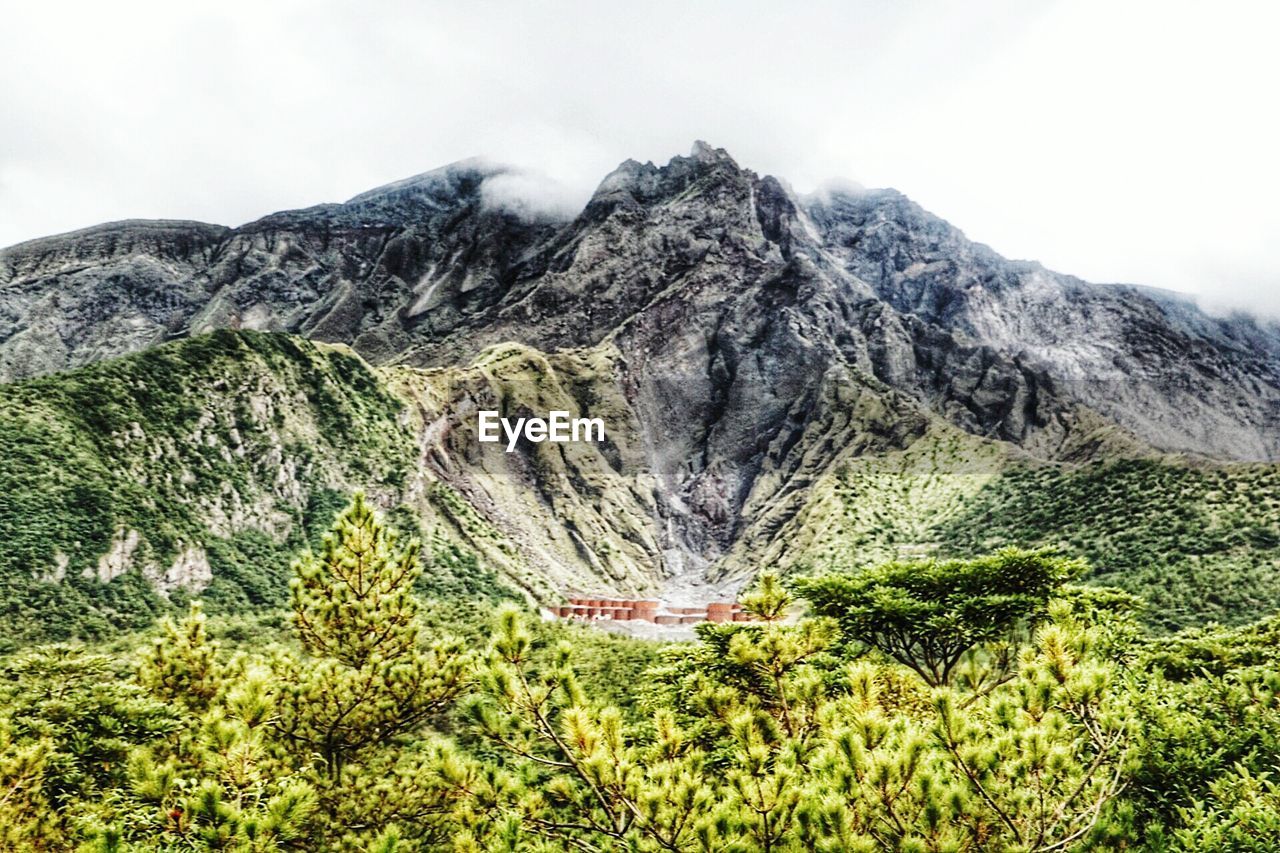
(119, 557)
(1146, 358)
(745, 339)
(361, 272)
(723, 291)
(189, 571)
(102, 292)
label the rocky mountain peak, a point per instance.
(705, 153)
(698, 267)
(439, 188)
(634, 183)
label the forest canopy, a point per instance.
(982, 704)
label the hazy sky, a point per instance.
(1117, 141)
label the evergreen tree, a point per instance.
(1056, 728)
(217, 781)
(763, 739)
(354, 600)
(182, 663)
(26, 820)
(577, 782)
(322, 748)
(930, 614)
(368, 675)
(72, 715)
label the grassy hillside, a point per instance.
(199, 466)
(886, 505)
(582, 514)
(1199, 542)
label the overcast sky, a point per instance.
(1117, 141)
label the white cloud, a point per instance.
(532, 195)
(1120, 142)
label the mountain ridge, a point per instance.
(419, 269)
(763, 362)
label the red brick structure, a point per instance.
(719, 611)
(650, 610)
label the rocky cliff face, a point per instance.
(1150, 360)
(748, 344)
(701, 256)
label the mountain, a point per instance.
(797, 380)
(428, 271)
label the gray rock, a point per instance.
(757, 333)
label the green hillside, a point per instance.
(197, 469)
(1200, 542)
(199, 466)
(904, 702)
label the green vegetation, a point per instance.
(353, 689)
(929, 615)
(231, 450)
(1199, 543)
(200, 467)
(875, 507)
(363, 725)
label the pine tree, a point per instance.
(932, 615)
(320, 749)
(1041, 756)
(764, 739)
(217, 781)
(577, 782)
(182, 663)
(354, 600)
(25, 816)
(368, 675)
(77, 713)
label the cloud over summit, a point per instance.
(1119, 143)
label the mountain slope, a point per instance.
(1150, 360)
(797, 381)
(198, 468)
(431, 270)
